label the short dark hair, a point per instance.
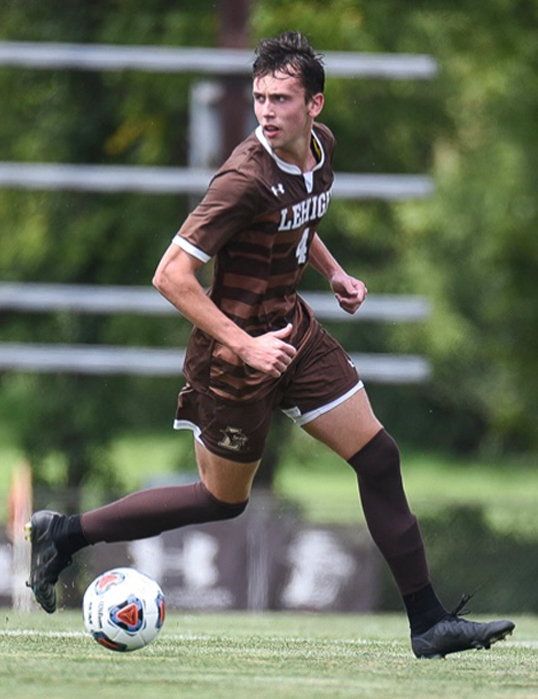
(291, 53)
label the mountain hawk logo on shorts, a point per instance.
(233, 439)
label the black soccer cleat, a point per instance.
(47, 561)
(453, 634)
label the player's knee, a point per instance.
(378, 460)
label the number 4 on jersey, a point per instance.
(302, 247)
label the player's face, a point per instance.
(284, 114)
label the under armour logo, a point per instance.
(233, 439)
(278, 189)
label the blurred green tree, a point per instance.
(471, 249)
(91, 117)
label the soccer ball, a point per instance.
(123, 609)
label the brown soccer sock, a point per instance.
(150, 512)
(391, 523)
(395, 529)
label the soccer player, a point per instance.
(256, 346)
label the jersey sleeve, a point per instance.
(228, 206)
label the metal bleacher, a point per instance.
(152, 361)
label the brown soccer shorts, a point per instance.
(320, 377)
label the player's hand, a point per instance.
(348, 291)
(270, 353)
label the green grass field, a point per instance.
(235, 656)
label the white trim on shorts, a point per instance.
(304, 418)
(180, 241)
(188, 425)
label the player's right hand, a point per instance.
(270, 353)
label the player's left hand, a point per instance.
(348, 291)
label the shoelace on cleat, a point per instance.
(459, 609)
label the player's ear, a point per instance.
(315, 104)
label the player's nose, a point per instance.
(268, 110)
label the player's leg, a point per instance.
(327, 399)
(229, 481)
(227, 465)
(352, 431)
(222, 493)
(348, 426)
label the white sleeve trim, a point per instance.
(191, 249)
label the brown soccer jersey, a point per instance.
(257, 218)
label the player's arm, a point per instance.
(348, 291)
(175, 278)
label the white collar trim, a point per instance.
(282, 164)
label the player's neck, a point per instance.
(300, 155)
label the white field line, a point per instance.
(43, 634)
(203, 637)
(21, 633)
